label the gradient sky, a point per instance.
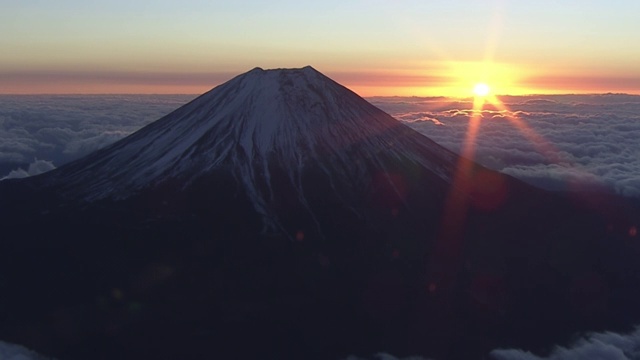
(375, 47)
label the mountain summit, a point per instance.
(282, 216)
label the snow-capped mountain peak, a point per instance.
(289, 119)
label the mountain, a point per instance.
(280, 215)
(258, 125)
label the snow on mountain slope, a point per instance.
(289, 118)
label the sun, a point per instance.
(481, 89)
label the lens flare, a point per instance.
(481, 89)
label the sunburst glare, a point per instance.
(481, 89)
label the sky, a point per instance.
(374, 47)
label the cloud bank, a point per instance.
(385, 356)
(583, 141)
(59, 129)
(17, 352)
(601, 346)
(37, 167)
(575, 141)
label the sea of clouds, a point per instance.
(574, 142)
(603, 346)
(41, 132)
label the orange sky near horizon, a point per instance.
(375, 83)
(376, 48)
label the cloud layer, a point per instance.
(60, 129)
(35, 168)
(601, 346)
(17, 352)
(573, 141)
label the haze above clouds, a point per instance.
(405, 47)
(592, 140)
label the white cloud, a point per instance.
(37, 167)
(385, 356)
(17, 352)
(601, 346)
(582, 141)
(589, 140)
(63, 128)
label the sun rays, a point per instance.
(474, 187)
(544, 147)
(481, 90)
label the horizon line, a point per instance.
(609, 93)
